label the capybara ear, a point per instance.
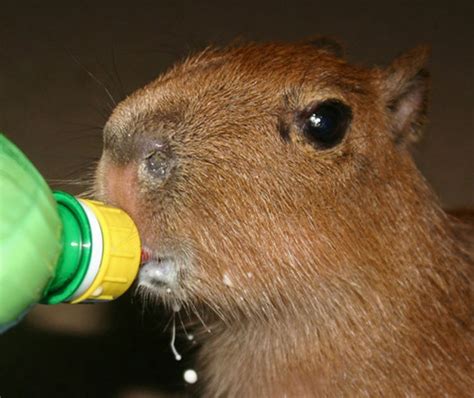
(405, 89)
(327, 44)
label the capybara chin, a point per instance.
(275, 193)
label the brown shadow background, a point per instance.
(56, 59)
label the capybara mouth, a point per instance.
(157, 272)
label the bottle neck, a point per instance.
(100, 252)
(77, 250)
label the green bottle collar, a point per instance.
(76, 250)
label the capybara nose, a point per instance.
(120, 185)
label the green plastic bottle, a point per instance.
(55, 248)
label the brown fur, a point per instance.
(344, 277)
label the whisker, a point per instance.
(104, 69)
(99, 111)
(167, 324)
(85, 133)
(66, 181)
(138, 294)
(114, 65)
(94, 78)
(188, 336)
(196, 312)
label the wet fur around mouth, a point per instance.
(161, 278)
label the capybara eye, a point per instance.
(156, 163)
(326, 123)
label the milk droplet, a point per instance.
(227, 281)
(190, 376)
(249, 275)
(176, 354)
(190, 337)
(176, 306)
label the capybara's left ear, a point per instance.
(405, 88)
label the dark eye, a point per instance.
(326, 123)
(158, 162)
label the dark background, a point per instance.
(56, 59)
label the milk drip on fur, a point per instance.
(56, 248)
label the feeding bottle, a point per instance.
(55, 248)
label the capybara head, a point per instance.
(263, 176)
